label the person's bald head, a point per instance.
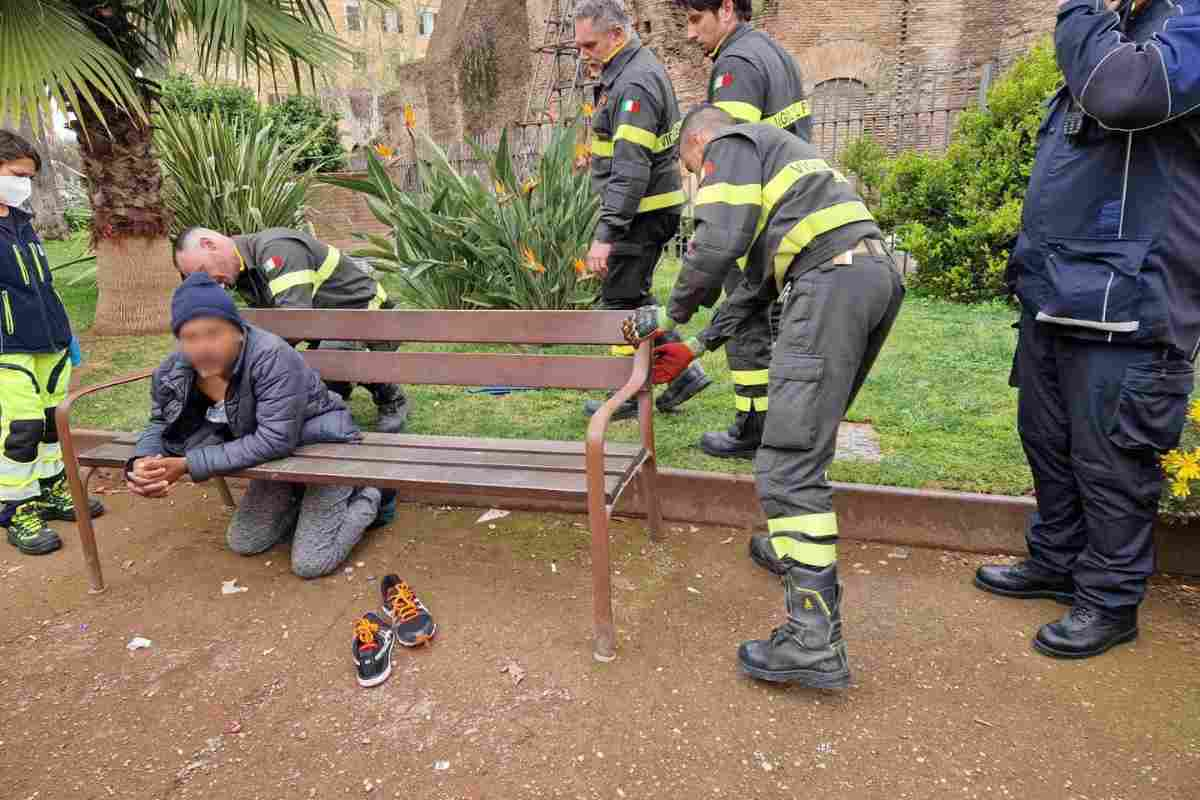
(696, 131)
(200, 249)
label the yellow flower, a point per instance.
(1181, 489)
(588, 110)
(410, 116)
(1194, 412)
(383, 151)
(500, 190)
(582, 151)
(581, 270)
(531, 262)
(1172, 461)
(1189, 468)
(529, 185)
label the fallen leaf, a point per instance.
(491, 515)
(231, 587)
(515, 671)
(127, 564)
(693, 590)
(233, 728)
(727, 541)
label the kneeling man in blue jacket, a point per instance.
(233, 397)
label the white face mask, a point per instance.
(14, 191)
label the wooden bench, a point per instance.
(590, 471)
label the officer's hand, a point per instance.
(670, 360)
(597, 258)
(648, 322)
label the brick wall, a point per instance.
(337, 214)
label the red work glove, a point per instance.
(670, 360)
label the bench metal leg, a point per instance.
(87, 534)
(226, 495)
(649, 476)
(605, 642)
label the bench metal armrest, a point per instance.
(62, 416)
(600, 420)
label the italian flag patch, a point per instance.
(631, 106)
(722, 81)
(273, 263)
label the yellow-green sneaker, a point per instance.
(57, 503)
(27, 529)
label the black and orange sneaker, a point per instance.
(411, 620)
(372, 650)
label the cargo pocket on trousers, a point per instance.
(1152, 407)
(794, 391)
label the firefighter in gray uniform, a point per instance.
(766, 198)
(635, 172)
(754, 79)
(285, 268)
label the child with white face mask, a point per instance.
(35, 366)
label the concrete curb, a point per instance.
(975, 523)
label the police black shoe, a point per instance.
(1025, 580)
(742, 440)
(627, 410)
(692, 382)
(1086, 631)
(763, 553)
(393, 415)
(807, 650)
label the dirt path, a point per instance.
(948, 699)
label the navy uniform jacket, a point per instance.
(32, 317)
(1110, 240)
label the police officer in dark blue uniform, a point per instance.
(1107, 269)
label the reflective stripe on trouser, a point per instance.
(31, 386)
(832, 328)
(749, 355)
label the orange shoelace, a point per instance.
(404, 603)
(365, 631)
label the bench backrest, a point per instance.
(457, 327)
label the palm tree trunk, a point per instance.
(134, 271)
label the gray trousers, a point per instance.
(325, 522)
(834, 322)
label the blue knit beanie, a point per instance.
(201, 296)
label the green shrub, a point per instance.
(297, 119)
(233, 178)
(463, 244)
(957, 214)
(866, 159)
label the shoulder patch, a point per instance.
(631, 106)
(273, 263)
(723, 81)
(708, 170)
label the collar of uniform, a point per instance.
(242, 243)
(616, 63)
(730, 38)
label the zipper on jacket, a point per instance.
(21, 263)
(10, 326)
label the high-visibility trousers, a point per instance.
(31, 387)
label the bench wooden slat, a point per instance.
(468, 443)
(459, 327)
(472, 369)
(549, 462)
(561, 481)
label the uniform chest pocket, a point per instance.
(1093, 283)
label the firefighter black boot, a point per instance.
(808, 649)
(763, 553)
(742, 440)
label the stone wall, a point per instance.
(337, 214)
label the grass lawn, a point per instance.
(938, 396)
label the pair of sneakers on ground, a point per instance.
(405, 620)
(26, 519)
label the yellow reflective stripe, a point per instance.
(749, 377)
(291, 280)
(778, 186)
(731, 194)
(378, 300)
(632, 133)
(809, 524)
(793, 113)
(621, 350)
(740, 111)
(327, 267)
(668, 139)
(749, 403)
(602, 148)
(21, 263)
(807, 553)
(656, 202)
(819, 222)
